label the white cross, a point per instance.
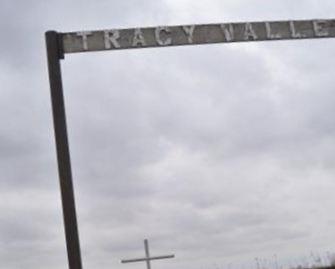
(147, 258)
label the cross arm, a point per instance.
(145, 259)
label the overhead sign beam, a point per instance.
(164, 36)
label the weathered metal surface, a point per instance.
(164, 36)
(147, 258)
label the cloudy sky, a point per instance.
(218, 154)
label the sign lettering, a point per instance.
(269, 32)
(228, 32)
(111, 38)
(249, 33)
(294, 32)
(138, 39)
(160, 41)
(320, 29)
(195, 34)
(189, 30)
(84, 36)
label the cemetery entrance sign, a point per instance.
(59, 44)
(195, 34)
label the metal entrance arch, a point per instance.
(59, 44)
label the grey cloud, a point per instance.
(215, 153)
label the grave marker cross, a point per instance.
(147, 258)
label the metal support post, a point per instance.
(55, 54)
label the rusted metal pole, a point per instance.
(55, 54)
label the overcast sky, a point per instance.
(218, 154)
